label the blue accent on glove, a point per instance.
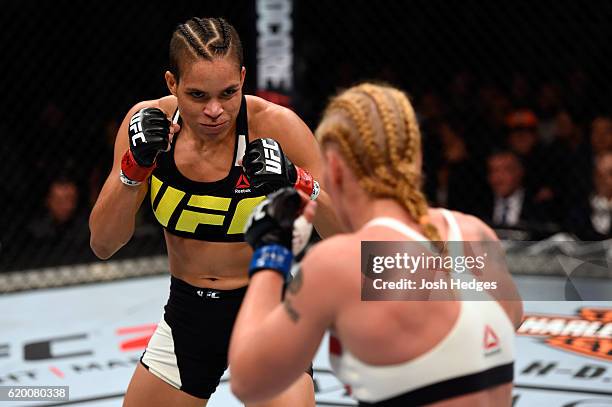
(272, 257)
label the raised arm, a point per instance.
(302, 149)
(113, 216)
(274, 340)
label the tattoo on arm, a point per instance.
(297, 282)
(293, 314)
(293, 288)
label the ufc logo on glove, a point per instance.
(272, 156)
(136, 127)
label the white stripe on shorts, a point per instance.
(160, 357)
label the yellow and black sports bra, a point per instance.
(210, 211)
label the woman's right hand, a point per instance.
(149, 134)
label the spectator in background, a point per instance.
(539, 163)
(571, 154)
(61, 215)
(548, 105)
(512, 204)
(601, 135)
(567, 134)
(600, 142)
(522, 132)
(456, 167)
(60, 235)
(592, 218)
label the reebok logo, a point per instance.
(490, 341)
(243, 182)
(242, 185)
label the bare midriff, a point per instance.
(217, 265)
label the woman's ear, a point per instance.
(242, 75)
(171, 82)
(334, 167)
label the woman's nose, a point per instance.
(213, 109)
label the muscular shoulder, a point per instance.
(473, 228)
(167, 104)
(267, 119)
(332, 257)
(256, 105)
(327, 274)
(261, 110)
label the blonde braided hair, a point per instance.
(376, 129)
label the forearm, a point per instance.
(252, 342)
(325, 222)
(272, 342)
(112, 219)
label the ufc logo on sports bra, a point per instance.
(272, 156)
(200, 209)
(136, 127)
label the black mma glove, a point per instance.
(268, 169)
(149, 133)
(270, 231)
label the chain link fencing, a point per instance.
(485, 78)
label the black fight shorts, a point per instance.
(189, 347)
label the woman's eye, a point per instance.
(229, 92)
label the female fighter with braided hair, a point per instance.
(206, 156)
(390, 353)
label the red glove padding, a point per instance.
(132, 171)
(304, 181)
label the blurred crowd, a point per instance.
(57, 170)
(530, 157)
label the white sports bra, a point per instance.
(477, 353)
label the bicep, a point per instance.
(287, 340)
(121, 146)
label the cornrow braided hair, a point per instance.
(376, 130)
(223, 37)
(203, 29)
(194, 42)
(205, 38)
